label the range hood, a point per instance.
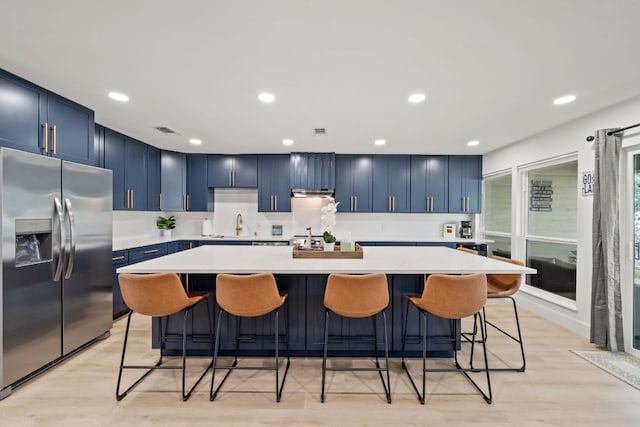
(314, 192)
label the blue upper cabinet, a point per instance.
(274, 184)
(354, 179)
(239, 171)
(430, 184)
(98, 146)
(23, 111)
(312, 171)
(127, 158)
(391, 183)
(465, 184)
(71, 129)
(114, 159)
(173, 181)
(33, 119)
(136, 174)
(153, 178)
(197, 190)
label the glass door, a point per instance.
(636, 252)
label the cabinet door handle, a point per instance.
(118, 258)
(394, 203)
(160, 197)
(355, 203)
(389, 204)
(229, 179)
(430, 204)
(132, 204)
(150, 251)
(55, 139)
(45, 128)
(275, 204)
(128, 200)
(234, 178)
(184, 202)
(188, 203)
(463, 204)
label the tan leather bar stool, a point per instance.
(505, 286)
(158, 295)
(252, 295)
(467, 250)
(358, 296)
(454, 298)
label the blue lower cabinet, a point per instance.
(144, 253)
(224, 242)
(446, 245)
(119, 259)
(178, 246)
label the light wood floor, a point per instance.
(558, 388)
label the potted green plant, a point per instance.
(166, 224)
(329, 240)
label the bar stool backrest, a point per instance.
(506, 284)
(351, 295)
(249, 295)
(154, 295)
(467, 250)
(454, 297)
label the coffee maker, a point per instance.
(465, 229)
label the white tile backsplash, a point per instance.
(228, 203)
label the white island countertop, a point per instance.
(279, 260)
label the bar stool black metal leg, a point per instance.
(387, 388)
(324, 356)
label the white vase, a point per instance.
(165, 233)
(329, 246)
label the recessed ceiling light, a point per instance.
(564, 100)
(380, 142)
(287, 141)
(473, 143)
(415, 98)
(195, 141)
(119, 96)
(266, 97)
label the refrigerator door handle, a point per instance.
(72, 238)
(58, 207)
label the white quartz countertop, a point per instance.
(137, 241)
(279, 260)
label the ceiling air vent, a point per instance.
(320, 131)
(164, 129)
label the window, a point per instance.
(497, 214)
(551, 225)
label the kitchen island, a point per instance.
(304, 280)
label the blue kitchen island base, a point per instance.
(305, 322)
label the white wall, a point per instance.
(560, 141)
(228, 203)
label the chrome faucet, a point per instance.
(307, 243)
(238, 224)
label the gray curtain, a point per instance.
(606, 305)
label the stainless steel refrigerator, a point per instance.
(56, 261)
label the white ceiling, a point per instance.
(490, 68)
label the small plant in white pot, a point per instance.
(166, 224)
(328, 221)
